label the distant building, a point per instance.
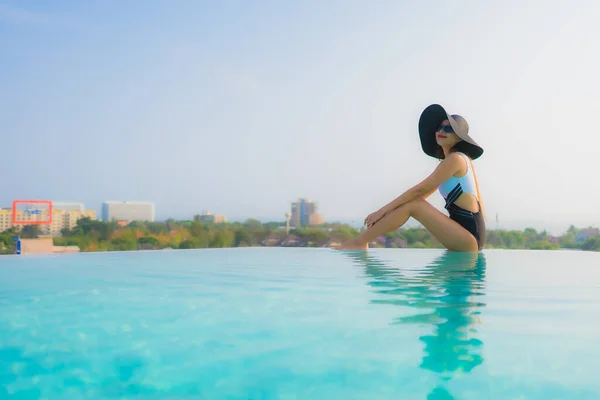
(207, 216)
(43, 246)
(316, 219)
(128, 211)
(586, 233)
(65, 219)
(5, 219)
(68, 206)
(304, 213)
(61, 218)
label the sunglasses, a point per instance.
(445, 128)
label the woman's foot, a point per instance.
(352, 245)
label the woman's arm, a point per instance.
(426, 195)
(447, 168)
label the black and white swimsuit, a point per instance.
(451, 191)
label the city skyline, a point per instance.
(220, 217)
(204, 214)
(204, 104)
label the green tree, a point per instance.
(30, 231)
(543, 245)
(315, 236)
(414, 236)
(201, 233)
(99, 230)
(344, 232)
(221, 239)
(7, 244)
(124, 242)
(191, 243)
(568, 240)
(253, 224)
(258, 231)
(515, 240)
(530, 236)
(83, 242)
(592, 244)
(198, 228)
(496, 239)
(138, 225)
(158, 228)
(242, 236)
(271, 226)
(7, 236)
(148, 242)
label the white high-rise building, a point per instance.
(128, 211)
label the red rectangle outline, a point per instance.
(45, 222)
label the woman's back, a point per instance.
(462, 189)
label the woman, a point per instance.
(445, 137)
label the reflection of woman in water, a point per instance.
(445, 137)
(452, 285)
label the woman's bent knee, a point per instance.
(416, 204)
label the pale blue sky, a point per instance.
(240, 107)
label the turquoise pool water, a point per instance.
(300, 324)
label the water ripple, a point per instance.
(299, 323)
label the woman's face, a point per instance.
(445, 136)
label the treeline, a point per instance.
(533, 240)
(90, 235)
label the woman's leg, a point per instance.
(449, 232)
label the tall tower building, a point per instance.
(305, 213)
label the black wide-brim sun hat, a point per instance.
(431, 118)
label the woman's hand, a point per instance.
(373, 218)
